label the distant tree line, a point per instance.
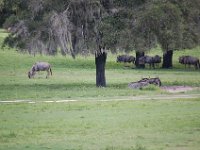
(95, 26)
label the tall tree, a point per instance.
(175, 25)
(72, 26)
(190, 12)
(164, 20)
(126, 30)
(94, 26)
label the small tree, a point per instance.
(164, 20)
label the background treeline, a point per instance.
(88, 26)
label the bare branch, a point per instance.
(61, 29)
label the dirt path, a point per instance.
(133, 98)
(178, 89)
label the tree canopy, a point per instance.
(94, 26)
(80, 26)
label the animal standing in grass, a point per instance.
(146, 60)
(40, 66)
(151, 60)
(189, 60)
(126, 59)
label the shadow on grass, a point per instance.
(58, 91)
(57, 86)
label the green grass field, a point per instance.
(90, 123)
(75, 79)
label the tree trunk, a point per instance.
(100, 61)
(138, 55)
(167, 59)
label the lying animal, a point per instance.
(144, 82)
(40, 66)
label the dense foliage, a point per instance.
(82, 26)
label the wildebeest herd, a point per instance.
(156, 60)
(151, 60)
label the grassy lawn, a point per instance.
(88, 123)
(75, 79)
(125, 125)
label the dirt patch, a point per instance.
(178, 89)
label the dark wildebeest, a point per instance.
(125, 59)
(40, 66)
(189, 60)
(146, 60)
(157, 59)
(151, 60)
